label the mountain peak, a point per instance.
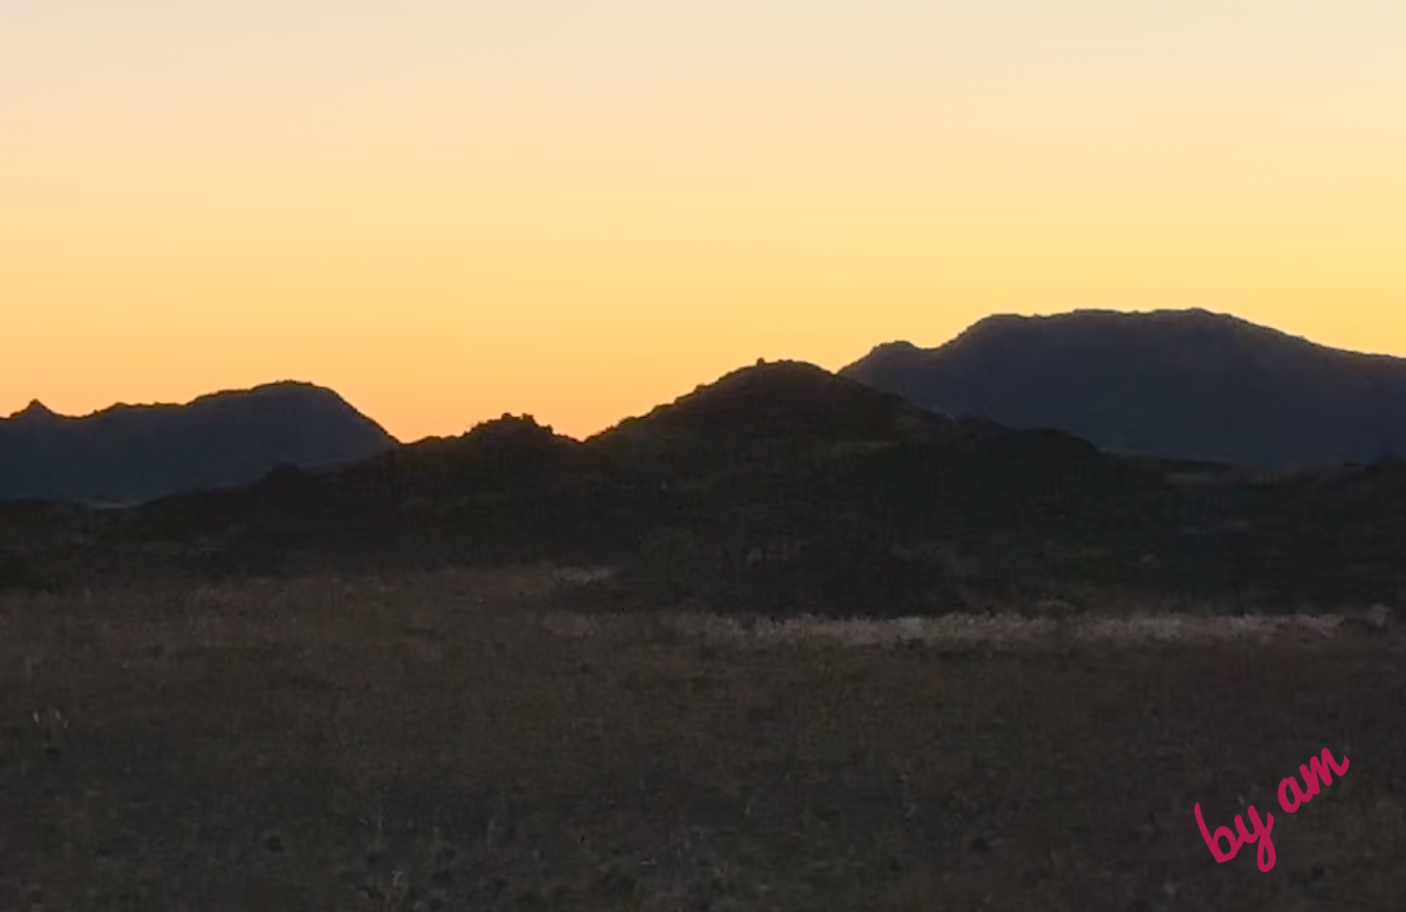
(35, 411)
(128, 453)
(1166, 324)
(1174, 383)
(793, 401)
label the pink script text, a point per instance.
(1322, 767)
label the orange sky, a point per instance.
(582, 210)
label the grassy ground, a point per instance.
(459, 741)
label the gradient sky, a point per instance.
(447, 211)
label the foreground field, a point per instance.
(461, 741)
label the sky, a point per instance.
(578, 210)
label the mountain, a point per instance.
(792, 430)
(776, 408)
(509, 489)
(794, 489)
(508, 455)
(135, 453)
(779, 488)
(1179, 384)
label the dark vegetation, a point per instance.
(1174, 384)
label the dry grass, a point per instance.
(997, 631)
(459, 741)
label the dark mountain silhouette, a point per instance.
(781, 488)
(797, 489)
(133, 453)
(1180, 384)
(796, 427)
(510, 455)
(509, 489)
(791, 400)
(782, 410)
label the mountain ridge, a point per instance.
(1181, 384)
(778, 489)
(127, 453)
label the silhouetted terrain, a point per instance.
(794, 490)
(1181, 384)
(133, 453)
(780, 489)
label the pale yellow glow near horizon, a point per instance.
(446, 213)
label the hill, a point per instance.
(1179, 384)
(779, 489)
(794, 489)
(778, 411)
(509, 489)
(132, 453)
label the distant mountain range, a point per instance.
(780, 488)
(1188, 385)
(1180, 384)
(132, 453)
